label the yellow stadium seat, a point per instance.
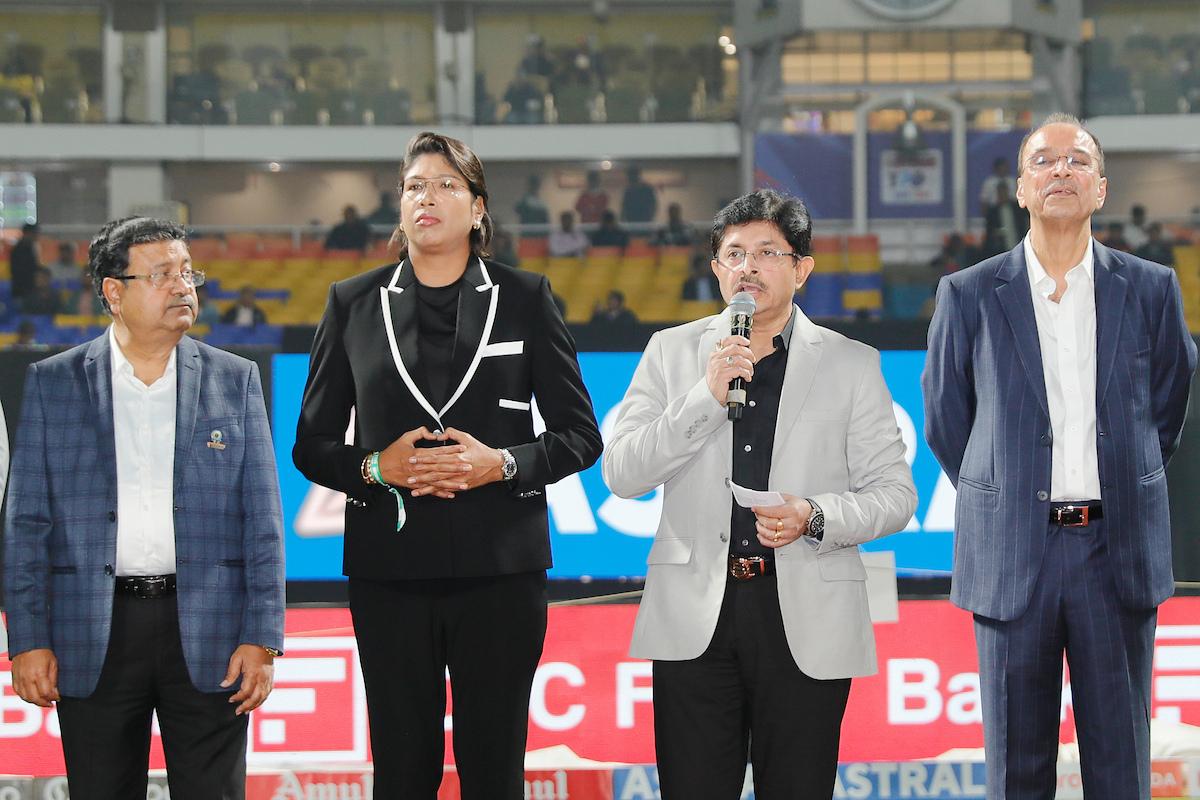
(695, 309)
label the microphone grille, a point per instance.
(742, 303)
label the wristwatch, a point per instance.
(508, 469)
(274, 652)
(816, 521)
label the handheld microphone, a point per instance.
(741, 320)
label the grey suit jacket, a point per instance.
(836, 441)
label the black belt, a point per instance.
(745, 569)
(1075, 515)
(147, 587)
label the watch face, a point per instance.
(905, 9)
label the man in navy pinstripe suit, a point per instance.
(143, 564)
(1055, 391)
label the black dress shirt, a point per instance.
(753, 440)
(437, 321)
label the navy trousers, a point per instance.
(1109, 649)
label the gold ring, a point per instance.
(776, 537)
(778, 524)
(728, 359)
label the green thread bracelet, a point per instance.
(377, 476)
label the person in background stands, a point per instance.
(65, 269)
(245, 313)
(701, 284)
(531, 209)
(1135, 229)
(676, 233)
(352, 233)
(24, 262)
(1156, 248)
(1000, 176)
(44, 299)
(639, 203)
(614, 313)
(609, 234)
(592, 201)
(567, 241)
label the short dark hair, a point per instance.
(108, 253)
(1061, 118)
(785, 212)
(464, 160)
(29, 227)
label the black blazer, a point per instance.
(511, 345)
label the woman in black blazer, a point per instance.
(435, 361)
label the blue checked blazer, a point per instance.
(986, 420)
(61, 541)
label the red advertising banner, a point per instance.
(591, 697)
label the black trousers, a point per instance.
(1110, 650)
(106, 737)
(745, 696)
(488, 632)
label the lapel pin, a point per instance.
(215, 440)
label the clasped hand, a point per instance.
(462, 462)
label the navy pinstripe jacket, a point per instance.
(61, 533)
(987, 422)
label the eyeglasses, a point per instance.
(1076, 162)
(190, 277)
(765, 260)
(442, 187)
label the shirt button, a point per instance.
(1043, 495)
(747, 448)
(745, 542)
(752, 404)
(724, 537)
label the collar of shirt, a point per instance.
(121, 366)
(784, 336)
(1040, 281)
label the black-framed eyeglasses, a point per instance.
(190, 277)
(764, 259)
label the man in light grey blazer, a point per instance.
(756, 619)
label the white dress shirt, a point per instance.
(144, 430)
(1067, 333)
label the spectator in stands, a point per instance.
(701, 284)
(535, 61)
(1115, 237)
(609, 234)
(504, 250)
(44, 299)
(956, 254)
(614, 312)
(24, 262)
(568, 241)
(386, 215)
(639, 203)
(676, 233)
(352, 233)
(525, 101)
(1000, 177)
(81, 296)
(593, 200)
(65, 268)
(1156, 248)
(206, 311)
(1006, 223)
(26, 335)
(245, 312)
(1135, 229)
(531, 209)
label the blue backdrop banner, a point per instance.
(594, 533)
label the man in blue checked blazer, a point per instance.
(1056, 387)
(143, 553)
